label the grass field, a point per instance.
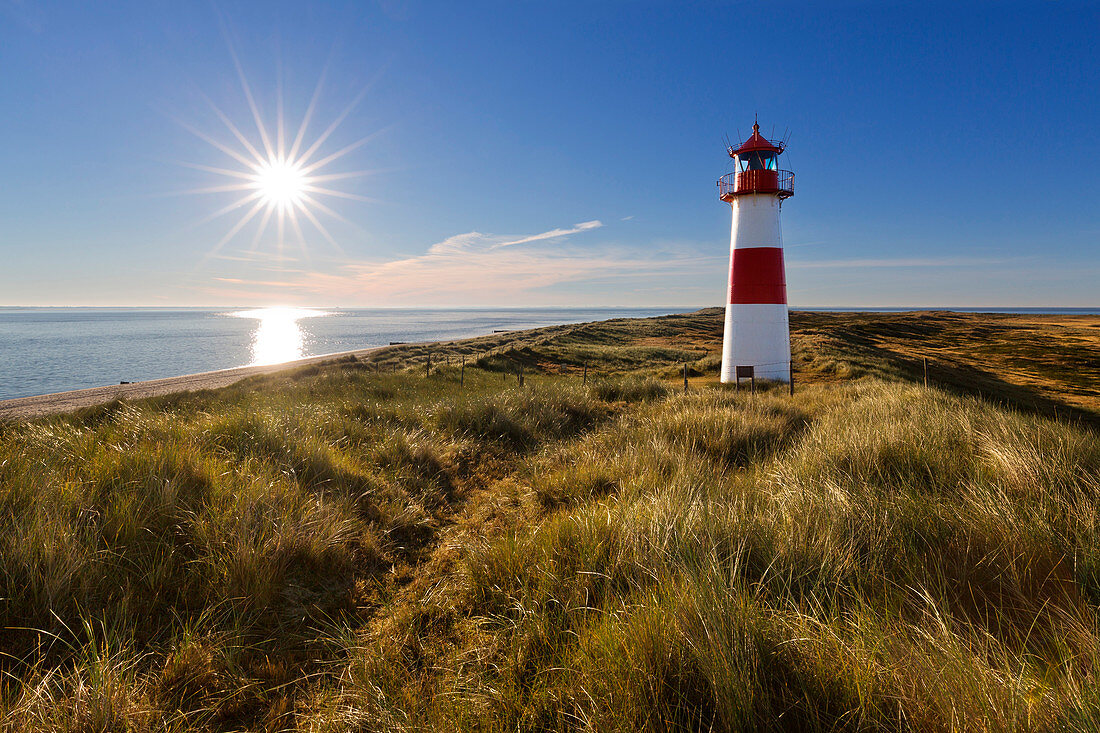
(344, 547)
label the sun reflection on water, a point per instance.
(278, 337)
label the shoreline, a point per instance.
(906, 343)
(55, 403)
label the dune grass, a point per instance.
(333, 549)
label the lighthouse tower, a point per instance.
(757, 334)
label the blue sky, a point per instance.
(525, 153)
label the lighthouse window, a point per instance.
(757, 161)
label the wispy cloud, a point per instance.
(480, 268)
(253, 256)
(476, 241)
(903, 262)
(257, 283)
(584, 226)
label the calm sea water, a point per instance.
(46, 350)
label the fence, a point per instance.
(780, 182)
(509, 362)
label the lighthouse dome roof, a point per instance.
(757, 142)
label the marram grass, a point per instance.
(336, 550)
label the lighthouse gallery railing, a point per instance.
(781, 182)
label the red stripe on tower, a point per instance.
(756, 275)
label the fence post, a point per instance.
(428, 366)
(462, 374)
(790, 375)
(685, 377)
(521, 375)
(925, 370)
(584, 379)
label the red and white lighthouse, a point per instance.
(757, 333)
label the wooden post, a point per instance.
(584, 379)
(521, 375)
(462, 374)
(685, 377)
(925, 371)
(753, 385)
(790, 374)
(428, 366)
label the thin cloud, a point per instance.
(584, 226)
(253, 256)
(480, 268)
(476, 241)
(263, 283)
(903, 262)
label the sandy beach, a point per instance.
(22, 408)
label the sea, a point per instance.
(44, 350)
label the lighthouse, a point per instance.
(757, 333)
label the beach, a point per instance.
(23, 408)
(1039, 357)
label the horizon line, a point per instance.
(240, 306)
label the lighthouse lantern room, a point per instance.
(757, 333)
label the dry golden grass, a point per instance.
(331, 549)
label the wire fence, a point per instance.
(517, 361)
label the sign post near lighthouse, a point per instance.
(757, 332)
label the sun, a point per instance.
(280, 183)
(279, 178)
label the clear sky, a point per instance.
(549, 153)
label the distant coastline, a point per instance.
(1012, 310)
(45, 350)
(1054, 310)
(49, 349)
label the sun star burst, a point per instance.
(278, 184)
